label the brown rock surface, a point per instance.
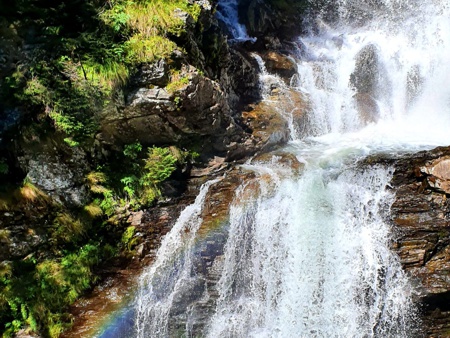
(438, 174)
(280, 64)
(421, 221)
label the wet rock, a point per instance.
(284, 66)
(370, 82)
(414, 83)
(438, 174)
(196, 302)
(269, 127)
(270, 17)
(420, 216)
(213, 167)
(258, 17)
(272, 43)
(244, 82)
(365, 76)
(283, 159)
(297, 104)
(367, 108)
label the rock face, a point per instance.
(421, 219)
(191, 102)
(26, 227)
(197, 109)
(262, 17)
(61, 174)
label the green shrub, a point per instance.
(138, 184)
(159, 165)
(132, 150)
(37, 293)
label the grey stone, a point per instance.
(152, 73)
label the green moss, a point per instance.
(128, 239)
(177, 81)
(148, 49)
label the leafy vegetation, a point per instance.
(137, 185)
(82, 53)
(4, 169)
(36, 290)
(34, 293)
(127, 237)
(86, 52)
(177, 81)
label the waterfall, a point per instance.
(170, 273)
(313, 260)
(389, 73)
(227, 12)
(308, 254)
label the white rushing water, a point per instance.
(309, 254)
(403, 48)
(169, 273)
(313, 260)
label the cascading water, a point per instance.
(227, 12)
(392, 70)
(313, 260)
(170, 273)
(310, 255)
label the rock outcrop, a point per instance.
(420, 218)
(196, 111)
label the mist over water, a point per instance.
(308, 254)
(377, 71)
(312, 260)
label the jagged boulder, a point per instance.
(156, 74)
(365, 76)
(268, 126)
(367, 81)
(438, 174)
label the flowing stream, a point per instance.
(307, 252)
